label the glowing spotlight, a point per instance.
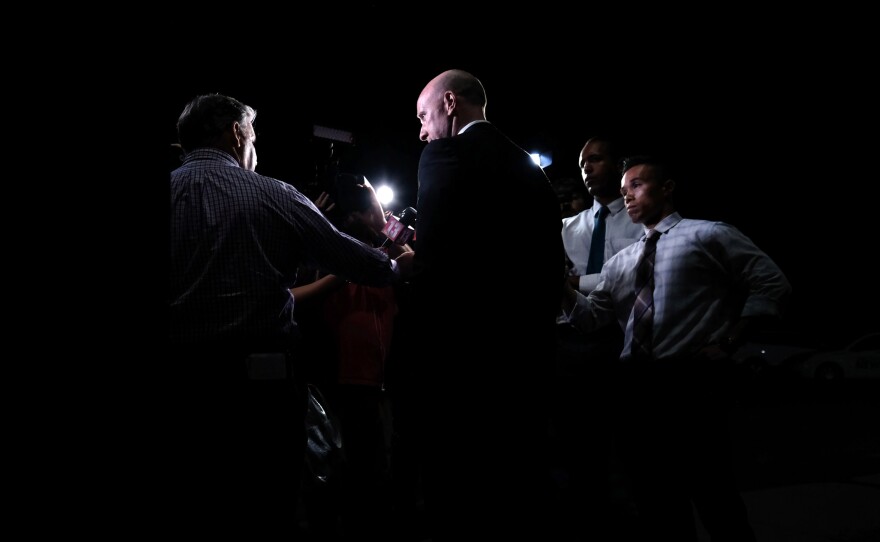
(385, 194)
(542, 160)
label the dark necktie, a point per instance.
(597, 243)
(643, 309)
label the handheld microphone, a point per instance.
(400, 230)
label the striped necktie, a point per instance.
(643, 309)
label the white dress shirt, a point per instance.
(577, 233)
(707, 275)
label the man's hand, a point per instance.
(405, 265)
(324, 203)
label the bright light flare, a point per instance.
(385, 194)
(542, 160)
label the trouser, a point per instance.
(673, 435)
(234, 445)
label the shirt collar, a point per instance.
(667, 223)
(614, 207)
(468, 125)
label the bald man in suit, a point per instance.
(488, 274)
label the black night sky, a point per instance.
(765, 119)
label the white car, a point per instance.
(860, 359)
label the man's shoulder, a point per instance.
(439, 147)
(576, 220)
(465, 149)
(621, 260)
(703, 231)
(698, 224)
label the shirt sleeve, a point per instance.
(335, 252)
(588, 283)
(766, 285)
(591, 312)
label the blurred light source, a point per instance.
(542, 160)
(385, 194)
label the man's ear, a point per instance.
(668, 186)
(449, 100)
(237, 133)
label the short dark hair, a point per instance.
(612, 149)
(205, 119)
(659, 165)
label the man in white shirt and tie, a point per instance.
(585, 359)
(705, 287)
(600, 169)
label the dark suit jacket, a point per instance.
(489, 260)
(489, 269)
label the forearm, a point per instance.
(395, 250)
(587, 283)
(569, 299)
(586, 313)
(319, 287)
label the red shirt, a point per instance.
(361, 319)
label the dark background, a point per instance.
(770, 118)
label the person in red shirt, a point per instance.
(357, 326)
